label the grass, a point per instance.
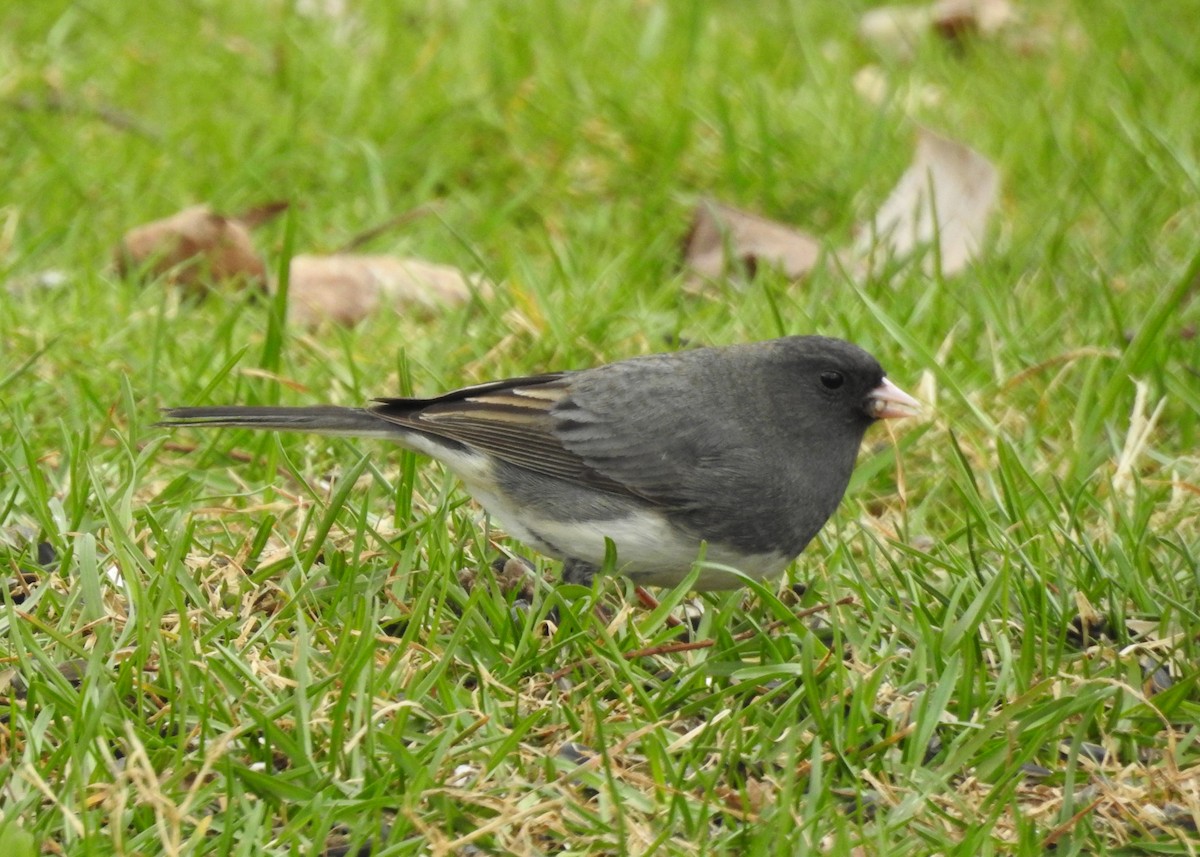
(268, 644)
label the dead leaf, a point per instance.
(345, 289)
(896, 31)
(955, 19)
(723, 238)
(945, 197)
(195, 248)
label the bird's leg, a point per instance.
(580, 572)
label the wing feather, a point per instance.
(516, 421)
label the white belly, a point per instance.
(649, 550)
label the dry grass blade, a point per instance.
(693, 645)
(368, 235)
(59, 103)
(258, 215)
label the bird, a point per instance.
(738, 454)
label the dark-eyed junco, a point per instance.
(747, 448)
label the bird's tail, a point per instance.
(322, 419)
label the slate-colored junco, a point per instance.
(747, 448)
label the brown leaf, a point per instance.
(954, 19)
(897, 30)
(345, 289)
(196, 248)
(723, 239)
(946, 196)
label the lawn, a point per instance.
(233, 643)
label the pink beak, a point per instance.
(887, 401)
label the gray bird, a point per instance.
(747, 449)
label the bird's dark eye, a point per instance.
(832, 380)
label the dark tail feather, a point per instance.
(323, 419)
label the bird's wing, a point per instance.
(670, 433)
(616, 428)
(513, 420)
